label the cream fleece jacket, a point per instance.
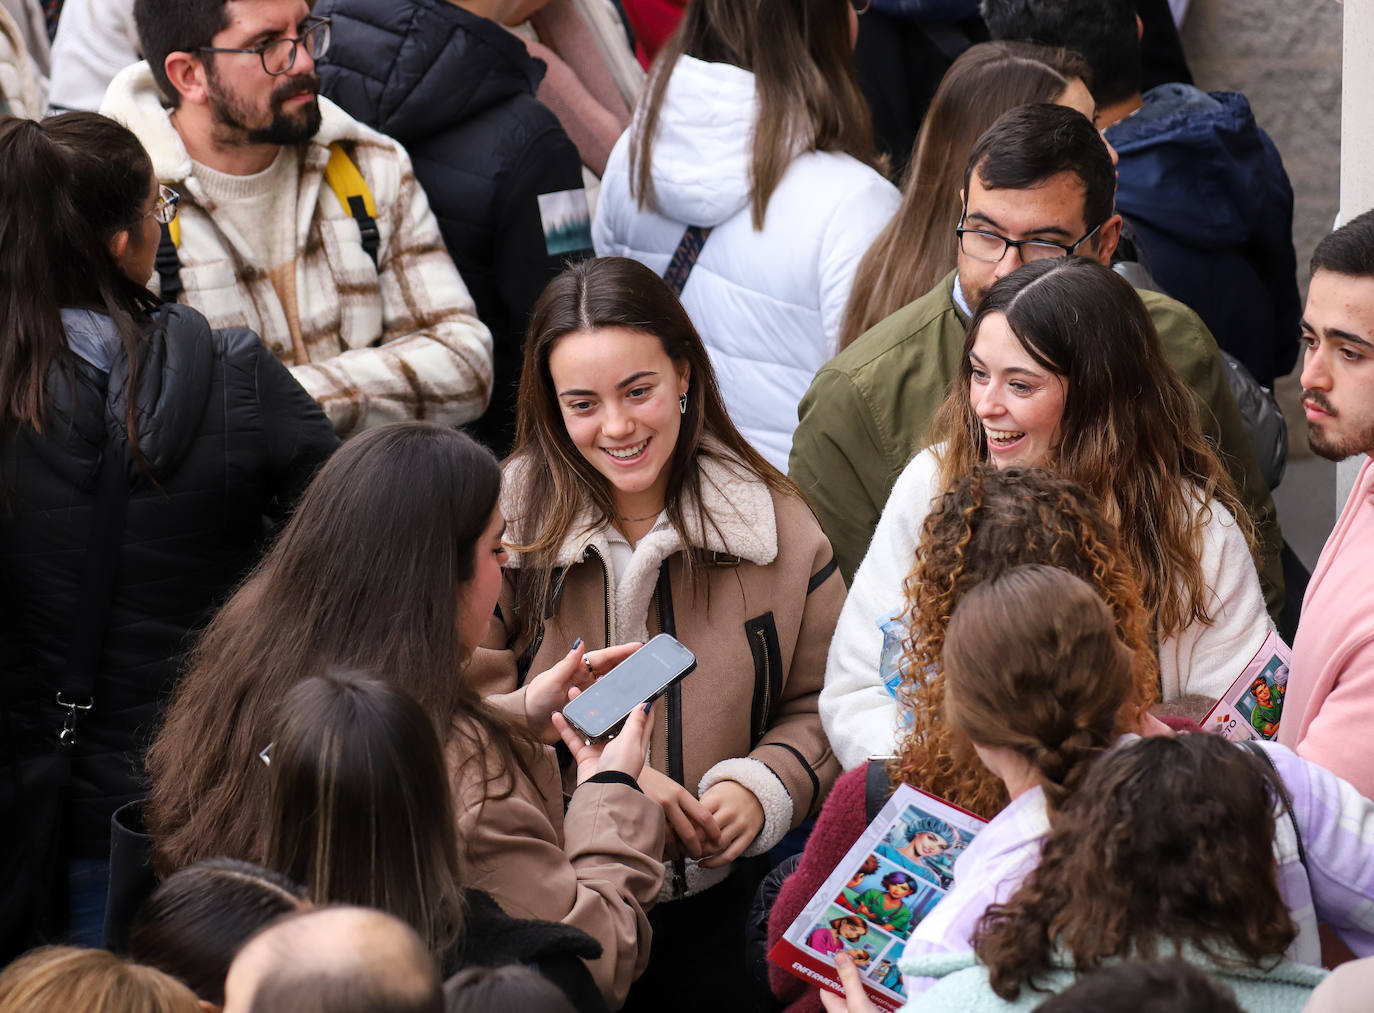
(860, 715)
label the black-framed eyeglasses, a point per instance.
(990, 248)
(279, 55)
(166, 207)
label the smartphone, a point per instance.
(599, 710)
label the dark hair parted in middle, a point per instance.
(361, 811)
(1134, 867)
(198, 919)
(1129, 433)
(1029, 144)
(591, 294)
(1033, 664)
(988, 522)
(367, 576)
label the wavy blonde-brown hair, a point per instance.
(986, 523)
(1129, 433)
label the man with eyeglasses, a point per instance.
(1039, 183)
(295, 220)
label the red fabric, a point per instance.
(1181, 724)
(652, 22)
(837, 828)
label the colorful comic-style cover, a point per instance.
(1251, 708)
(891, 878)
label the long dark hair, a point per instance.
(1129, 434)
(803, 65)
(72, 183)
(198, 919)
(609, 292)
(361, 810)
(1135, 867)
(367, 576)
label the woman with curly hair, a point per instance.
(1036, 681)
(1062, 369)
(1134, 868)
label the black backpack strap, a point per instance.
(877, 788)
(76, 686)
(685, 258)
(168, 266)
(367, 227)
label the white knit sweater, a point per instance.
(860, 715)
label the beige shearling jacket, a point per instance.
(760, 625)
(398, 340)
(596, 866)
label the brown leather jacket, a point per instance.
(748, 712)
(596, 867)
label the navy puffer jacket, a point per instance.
(458, 91)
(230, 440)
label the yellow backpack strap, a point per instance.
(348, 185)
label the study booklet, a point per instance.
(896, 872)
(1251, 708)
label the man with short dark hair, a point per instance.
(295, 220)
(1202, 186)
(334, 960)
(1038, 184)
(1329, 705)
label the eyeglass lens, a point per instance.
(987, 247)
(280, 56)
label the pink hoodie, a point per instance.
(1328, 712)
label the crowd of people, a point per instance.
(377, 378)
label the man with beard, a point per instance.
(346, 279)
(1328, 710)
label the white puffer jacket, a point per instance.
(768, 304)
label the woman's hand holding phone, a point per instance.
(624, 753)
(549, 691)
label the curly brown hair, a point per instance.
(986, 523)
(1134, 867)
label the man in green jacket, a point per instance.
(1039, 183)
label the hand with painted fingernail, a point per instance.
(547, 693)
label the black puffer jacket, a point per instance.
(230, 440)
(458, 91)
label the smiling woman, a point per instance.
(636, 508)
(1062, 369)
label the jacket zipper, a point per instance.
(606, 588)
(767, 685)
(663, 612)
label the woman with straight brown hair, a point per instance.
(635, 508)
(1062, 369)
(65, 979)
(361, 816)
(392, 564)
(752, 138)
(917, 248)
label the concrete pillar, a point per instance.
(1357, 152)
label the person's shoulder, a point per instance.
(1176, 323)
(901, 336)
